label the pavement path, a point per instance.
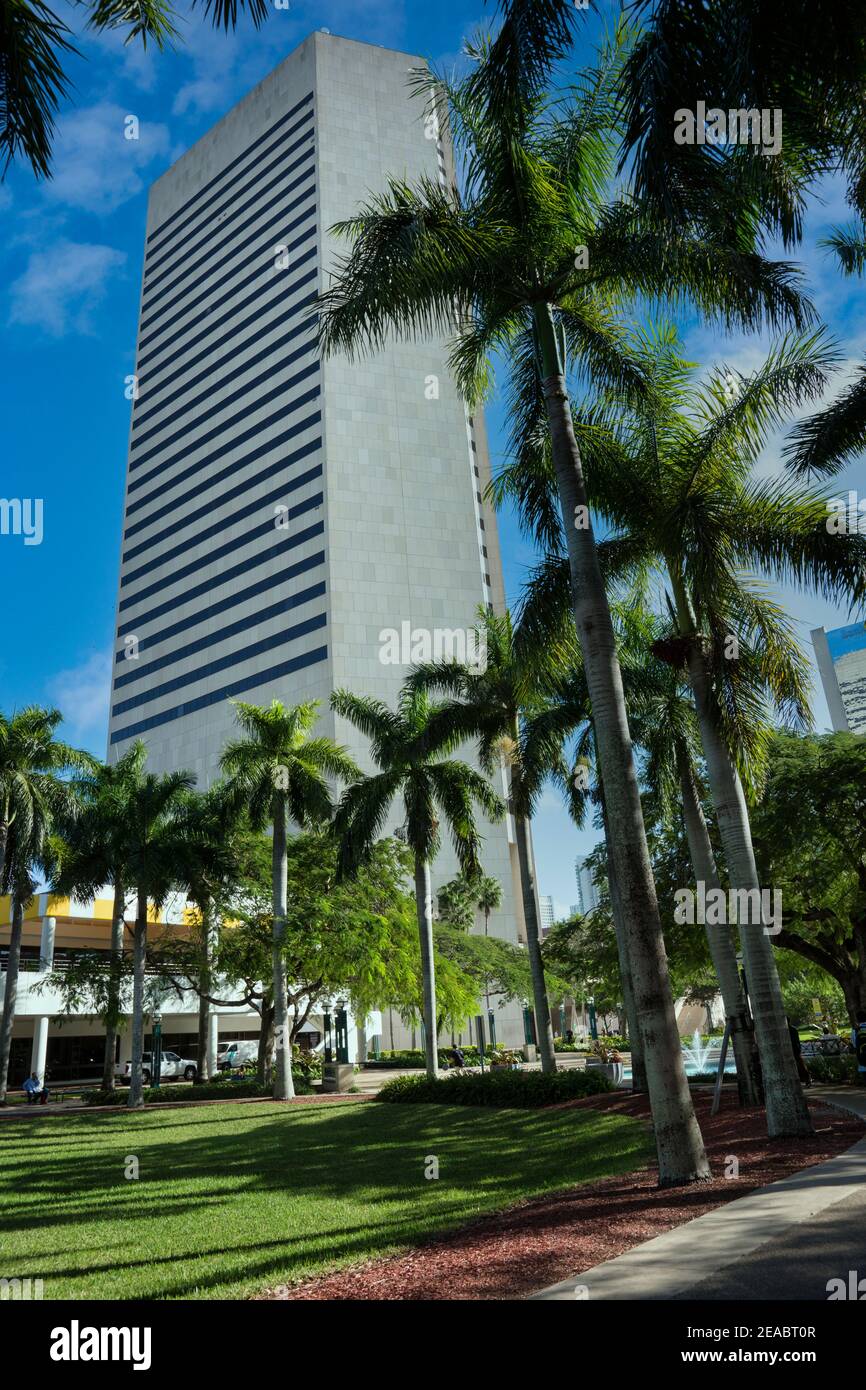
(785, 1241)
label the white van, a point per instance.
(238, 1054)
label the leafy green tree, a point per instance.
(488, 898)
(33, 796)
(809, 829)
(495, 966)
(433, 788)
(276, 771)
(356, 938)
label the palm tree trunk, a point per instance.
(787, 1111)
(284, 1086)
(135, 1099)
(638, 1066)
(424, 904)
(266, 1044)
(543, 1026)
(680, 1147)
(4, 841)
(204, 1005)
(719, 938)
(112, 1014)
(11, 993)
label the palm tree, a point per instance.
(156, 863)
(488, 897)
(806, 58)
(433, 789)
(278, 770)
(488, 706)
(32, 798)
(665, 726)
(672, 475)
(213, 858)
(835, 434)
(535, 255)
(34, 41)
(90, 851)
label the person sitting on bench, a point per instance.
(35, 1090)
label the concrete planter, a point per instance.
(337, 1076)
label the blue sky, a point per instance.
(71, 253)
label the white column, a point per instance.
(40, 1046)
(46, 944)
(213, 1032)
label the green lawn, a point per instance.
(233, 1198)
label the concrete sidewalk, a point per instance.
(785, 1241)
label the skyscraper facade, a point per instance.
(841, 657)
(292, 525)
(586, 889)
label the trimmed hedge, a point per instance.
(415, 1058)
(506, 1089)
(206, 1090)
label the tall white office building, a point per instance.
(284, 513)
(841, 657)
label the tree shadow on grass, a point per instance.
(369, 1160)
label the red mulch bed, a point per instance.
(545, 1239)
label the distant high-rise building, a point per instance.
(548, 914)
(586, 889)
(841, 655)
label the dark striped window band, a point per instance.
(222, 663)
(189, 432)
(270, 499)
(215, 697)
(288, 542)
(280, 576)
(251, 152)
(172, 294)
(201, 342)
(310, 504)
(261, 258)
(137, 669)
(231, 471)
(200, 466)
(220, 221)
(251, 456)
(237, 361)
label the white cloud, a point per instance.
(96, 168)
(82, 695)
(62, 285)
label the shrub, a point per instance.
(519, 1089)
(833, 1069)
(413, 1057)
(307, 1064)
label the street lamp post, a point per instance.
(156, 1073)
